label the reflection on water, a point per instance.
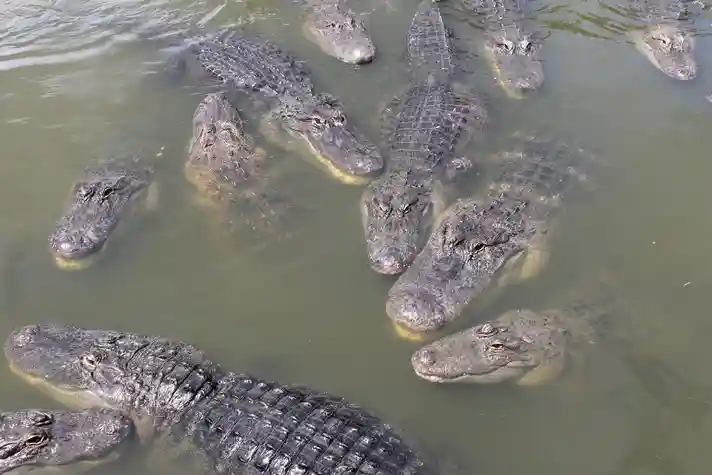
(80, 81)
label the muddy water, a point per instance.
(81, 79)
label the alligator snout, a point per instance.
(423, 358)
(68, 246)
(360, 53)
(388, 261)
(416, 312)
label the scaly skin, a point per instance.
(102, 198)
(230, 422)
(520, 346)
(512, 49)
(422, 130)
(256, 66)
(667, 39)
(224, 165)
(38, 439)
(477, 238)
(338, 31)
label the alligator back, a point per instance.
(429, 123)
(653, 11)
(237, 424)
(429, 51)
(539, 172)
(252, 63)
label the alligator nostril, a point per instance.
(65, 246)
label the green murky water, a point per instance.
(302, 306)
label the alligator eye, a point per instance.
(317, 121)
(497, 345)
(505, 46)
(40, 419)
(89, 361)
(486, 329)
(36, 439)
(526, 46)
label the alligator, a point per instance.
(233, 422)
(36, 439)
(224, 164)
(261, 70)
(338, 31)
(502, 237)
(422, 129)
(102, 198)
(522, 346)
(511, 46)
(667, 39)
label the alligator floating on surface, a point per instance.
(32, 439)
(511, 46)
(477, 239)
(106, 195)
(422, 131)
(234, 423)
(301, 117)
(338, 31)
(667, 39)
(225, 166)
(522, 346)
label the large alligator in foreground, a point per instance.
(102, 198)
(226, 167)
(422, 131)
(667, 39)
(338, 31)
(231, 422)
(300, 117)
(511, 46)
(35, 439)
(502, 237)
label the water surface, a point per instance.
(80, 80)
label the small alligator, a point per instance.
(422, 131)
(477, 239)
(255, 66)
(231, 422)
(522, 346)
(512, 48)
(667, 39)
(35, 439)
(103, 197)
(338, 31)
(224, 165)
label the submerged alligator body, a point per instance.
(106, 195)
(477, 239)
(422, 131)
(233, 423)
(35, 439)
(338, 31)
(511, 46)
(224, 164)
(667, 39)
(300, 116)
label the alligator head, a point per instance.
(83, 367)
(33, 440)
(514, 56)
(397, 211)
(98, 203)
(466, 249)
(670, 48)
(518, 346)
(339, 33)
(323, 124)
(220, 149)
